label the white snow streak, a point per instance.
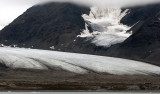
(78, 63)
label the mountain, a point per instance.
(131, 32)
(43, 26)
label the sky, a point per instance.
(11, 9)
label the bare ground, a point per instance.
(22, 79)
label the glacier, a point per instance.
(106, 26)
(73, 62)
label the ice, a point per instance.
(52, 47)
(85, 33)
(106, 26)
(107, 40)
(73, 62)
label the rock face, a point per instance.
(56, 26)
(145, 42)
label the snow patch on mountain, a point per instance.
(106, 26)
(73, 62)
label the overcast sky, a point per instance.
(11, 9)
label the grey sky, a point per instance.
(10, 9)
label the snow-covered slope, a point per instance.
(78, 63)
(106, 26)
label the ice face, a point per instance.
(106, 26)
(77, 63)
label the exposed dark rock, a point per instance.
(145, 42)
(140, 13)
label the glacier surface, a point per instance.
(73, 62)
(106, 26)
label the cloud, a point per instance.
(10, 9)
(120, 3)
(92, 2)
